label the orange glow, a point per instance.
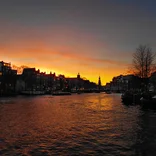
(68, 64)
(65, 52)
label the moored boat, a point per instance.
(108, 92)
(32, 92)
(148, 102)
(61, 93)
(131, 98)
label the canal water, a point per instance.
(80, 124)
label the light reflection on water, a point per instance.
(85, 124)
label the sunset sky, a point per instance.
(92, 37)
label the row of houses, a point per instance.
(34, 80)
(123, 83)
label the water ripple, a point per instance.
(85, 124)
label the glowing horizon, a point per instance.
(92, 78)
(94, 38)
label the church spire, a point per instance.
(78, 76)
(99, 83)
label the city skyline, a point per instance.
(20, 69)
(95, 37)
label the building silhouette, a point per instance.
(99, 83)
(8, 78)
(33, 81)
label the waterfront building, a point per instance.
(78, 83)
(29, 76)
(50, 80)
(38, 81)
(4, 68)
(122, 83)
(8, 78)
(20, 84)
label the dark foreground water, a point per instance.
(85, 124)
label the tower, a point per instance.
(78, 85)
(99, 83)
(78, 76)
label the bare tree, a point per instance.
(143, 61)
(19, 68)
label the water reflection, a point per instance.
(85, 124)
(146, 137)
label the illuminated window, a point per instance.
(7, 64)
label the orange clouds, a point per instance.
(68, 63)
(62, 51)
